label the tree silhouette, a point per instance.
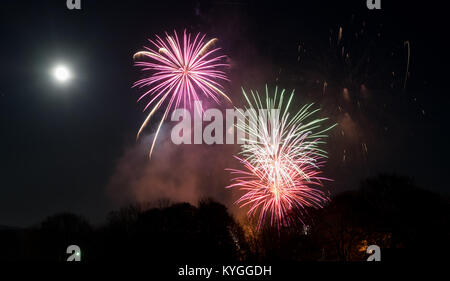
(50, 239)
(407, 222)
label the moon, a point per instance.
(61, 73)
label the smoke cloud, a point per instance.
(180, 173)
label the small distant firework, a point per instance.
(281, 159)
(360, 77)
(180, 73)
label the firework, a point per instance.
(281, 159)
(180, 73)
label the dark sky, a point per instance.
(61, 146)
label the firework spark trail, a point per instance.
(181, 72)
(281, 159)
(407, 64)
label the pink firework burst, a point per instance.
(281, 157)
(181, 72)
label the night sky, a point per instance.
(73, 147)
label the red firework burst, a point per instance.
(281, 175)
